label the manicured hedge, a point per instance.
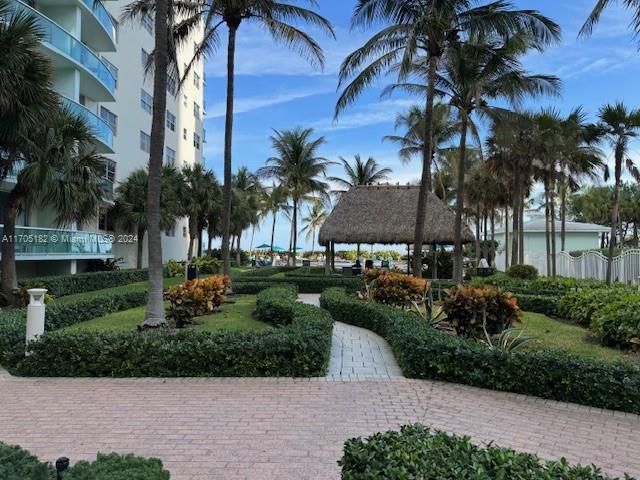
(545, 304)
(416, 452)
(18, 464)
(310, 284)
(424, 352)
(300, 348)
(61, 285)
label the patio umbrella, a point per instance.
(278, 249)
(264, 246)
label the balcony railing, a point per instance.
(47, 242)
(64, 42)
(103, 17)
(101, 129)
(107, 189)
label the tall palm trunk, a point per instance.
(209, 241)
(547, 226)
(457, 248)
(614, 217)
(521, 231)
(552, 218)
(140, 246)
(516, 219)
(563, 215)
(238, 256)
(492, 249)
(273, 233)
(294, 234)
(192, 237)
(228, 144)
(506, 237)
(8, 264)
(478, 234)
(155, 307)
(425, 180)
(200, 231)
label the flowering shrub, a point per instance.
(472, 310)
(195, 298)
(390, 288)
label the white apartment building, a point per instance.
(99, 72)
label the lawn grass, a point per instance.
(232, 316)
(550, 333)
(132, 287)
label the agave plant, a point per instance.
(508, 340)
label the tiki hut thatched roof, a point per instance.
(386, 214)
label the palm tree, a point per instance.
(617, 125)
(297, 166)
(274, 201)
(360, 173)
(130, 207)
(312, 222)
(425, 29)
(198, 193)
(474, 74)
(598, 9)
(274, 17)
(245, 208)
(61, 171)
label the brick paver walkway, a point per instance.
(357, 353)
(290, 429)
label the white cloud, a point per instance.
(248, 104)
(383, 111)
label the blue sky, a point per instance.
(275, 89)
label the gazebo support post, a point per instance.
(327, 259)
(408, 260)
(435, 261)
(333, 256)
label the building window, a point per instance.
(196, 80)
(171, 121)
(105, 221)
(170, 156)
(185, 100)
(184, 232)
(112, 68)
(184, 133)
(196, 141)
(171, 232)
(144, 58)
(110, 118)
(196, 110)
(147, 22)
(204, 135)
(109, 170)
(171, 85)
(146, 101)
(145, 142)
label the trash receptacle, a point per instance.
(306, 263)
(192, 272)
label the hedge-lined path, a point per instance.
(290, 429)
(356, 353)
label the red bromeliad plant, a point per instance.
(196, 298)
(473, 311)
(395, 289)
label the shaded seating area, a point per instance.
(386, 215)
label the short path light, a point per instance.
(35, 313)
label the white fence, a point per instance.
(589, 265)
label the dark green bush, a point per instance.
(61, 285)
(305, 272)
(273, 305)
(18, 464)
(416, 452)
(525, 272)
(424, 352)
(618, 323)
(118, 467)
(545, 304)
(262, 272)
(310, 284)
(582, 306)
(299, 349)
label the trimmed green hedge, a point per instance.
(61, 285)
(17, 463)
(310, 284)
(300, 348)
(417, 452)
(545, 304)
(424, 352)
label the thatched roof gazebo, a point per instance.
(386, 214)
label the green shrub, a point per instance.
(262, 272)
(473, 309)
(207, 265)
(195, 298)
(618, 323)
(417, 452)
(391, 288)
(118, 467)
(299, 349)
(274, 305)
(426, 353)
(583, 305)
(174, 268)
(312, 284)
(525, 272)
(18, 464)
(305, 272)
(61, 285)
(545, 304)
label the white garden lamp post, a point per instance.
(35, 313)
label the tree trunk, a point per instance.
(238, 256)
(140, 247)
(9, 278)
(209, 241)
(506, 237)
(228, 145)
(200, 232)
(155, 307)
(273, 233)
(516, 219)
(478, 235)
(563, 215)
(521, 231)
(485, 245)
(425, 181)
(552, 216)
(614, 217)
(547, 226)
(492, 249)
(292, 253)
(457, 248)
